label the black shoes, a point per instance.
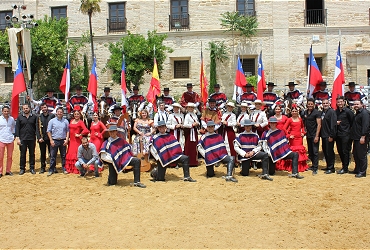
(360, 175)
(32, 171)
(314, 172)
(265, 177)
(1, 175)
(230, 178)
(42, 170)
(330, 171)
(297, 176)
(50, 173)
(342, 171)
(9, 173)
(97, 175)
(189, 179)
(353, 172)
(325, 169)
(21, 172)
(139, 184)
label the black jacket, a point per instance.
(42, 125)
(25, 128)
(328, 123)
(360, 126)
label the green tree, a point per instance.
(252, 80)
(218, 53)
(90, 7)
(139, 53)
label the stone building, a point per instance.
(285, 33)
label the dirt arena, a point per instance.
(63, 211)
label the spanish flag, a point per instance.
(155, 87)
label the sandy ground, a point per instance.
(63, 211)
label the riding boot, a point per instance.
(185, 168)
(161, 172)
(135, 162)
(210, 171)
(230, 169)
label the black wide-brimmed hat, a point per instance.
(117, 107)
(49, 90)
(271, 84)
(166, 89)
(211, 100)
(78, 87)
(323, 84)
(291, 84)
(216, 86)
(107, 89)
(351, 84)
(135, 88)
(249, 85)
(189, 85)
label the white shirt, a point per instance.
(190, 118)
(231, 120)
(259, 117)
(160, 116)
(7, 129)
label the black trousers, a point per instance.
(328, 150)
(43, 146)
(292, 156)
(30, 145)
(113, 176)
(260, 156)
(313, 152)
(360, 156)
(183, 160)
(344, 148)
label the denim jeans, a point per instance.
(53, 154)
(82, 170)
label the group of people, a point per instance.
(256, 133)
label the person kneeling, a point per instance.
(274, 142)
(247, 148)
(166, 150)
(117, 153)
(212, 147)
(86, 156)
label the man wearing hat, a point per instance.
(351, 95)
(135, 101)
(166, 98)
(166, 150)
(212, 147)
(109, 100)
(49, 99)
(294, 94)
(191, 125)
(248, 96)
(123, 126)
(274, 143)
(248, 148)
(321, 94)
(175, 123)
(190, 96)
(270, 97)
(220, 97)
(117, 153)
(211, 113)
(259, 117)
(78, 100)
(228, 122)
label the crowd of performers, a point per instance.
(250, 134)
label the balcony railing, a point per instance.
(315, 17)
(179, 22)
(116, 25)
(247, 12)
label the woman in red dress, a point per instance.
(97, 130)
(280, 117)
(294, 129)
(77, 129)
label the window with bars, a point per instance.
(117, 16)
(9, 75)
(3, 21)
(181, 69)
(179, 18)
(319, 62)
(59, 12)
(249, 66)
(245, 7)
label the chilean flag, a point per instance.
(123, 83)
(261, 83)
(314, 75)
(93, 85)
(65, 83)
(338, 87)
(240, 80)
(19, 85)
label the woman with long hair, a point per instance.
(144, 127)
(77, 129)
(97, 130)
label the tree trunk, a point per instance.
(91, 38)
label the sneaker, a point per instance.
(230, 178)
(189, 179)
(139, 184)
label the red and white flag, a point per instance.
(19, 86)
(65, 83)
(338, 85)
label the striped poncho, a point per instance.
(277, 144)
(166, 147)
(247, 141)
(120, 152)
(214, 147)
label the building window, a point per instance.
(315, 14)
(245, 7)
(179, 18)
(59, 12)
(117, 17)
(319, 62)
(3, 21)
(9, 75)
(181, 69)
(249, 66)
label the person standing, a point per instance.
(58, 133)
(7, 129)
(321, 95)
(270, 98)
(228, 121)
(221, 98)
(212, 113)
(25, 132)
(351, 95)
(312, 122)
(174, 124)
(259, 118)
(294, 94)
(78, 100)
(87, 155)
(344, 123)
(109, 100)
(358, 134)
(161, 115)
(248, 96)
(41, 133)
(167, 99)
(191, 124)
(190, 97)
(50, 100)
(328, 133)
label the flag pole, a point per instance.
(309, 72)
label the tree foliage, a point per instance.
(139, 53)
(49, 54)
(245, 24)
(218, 53)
